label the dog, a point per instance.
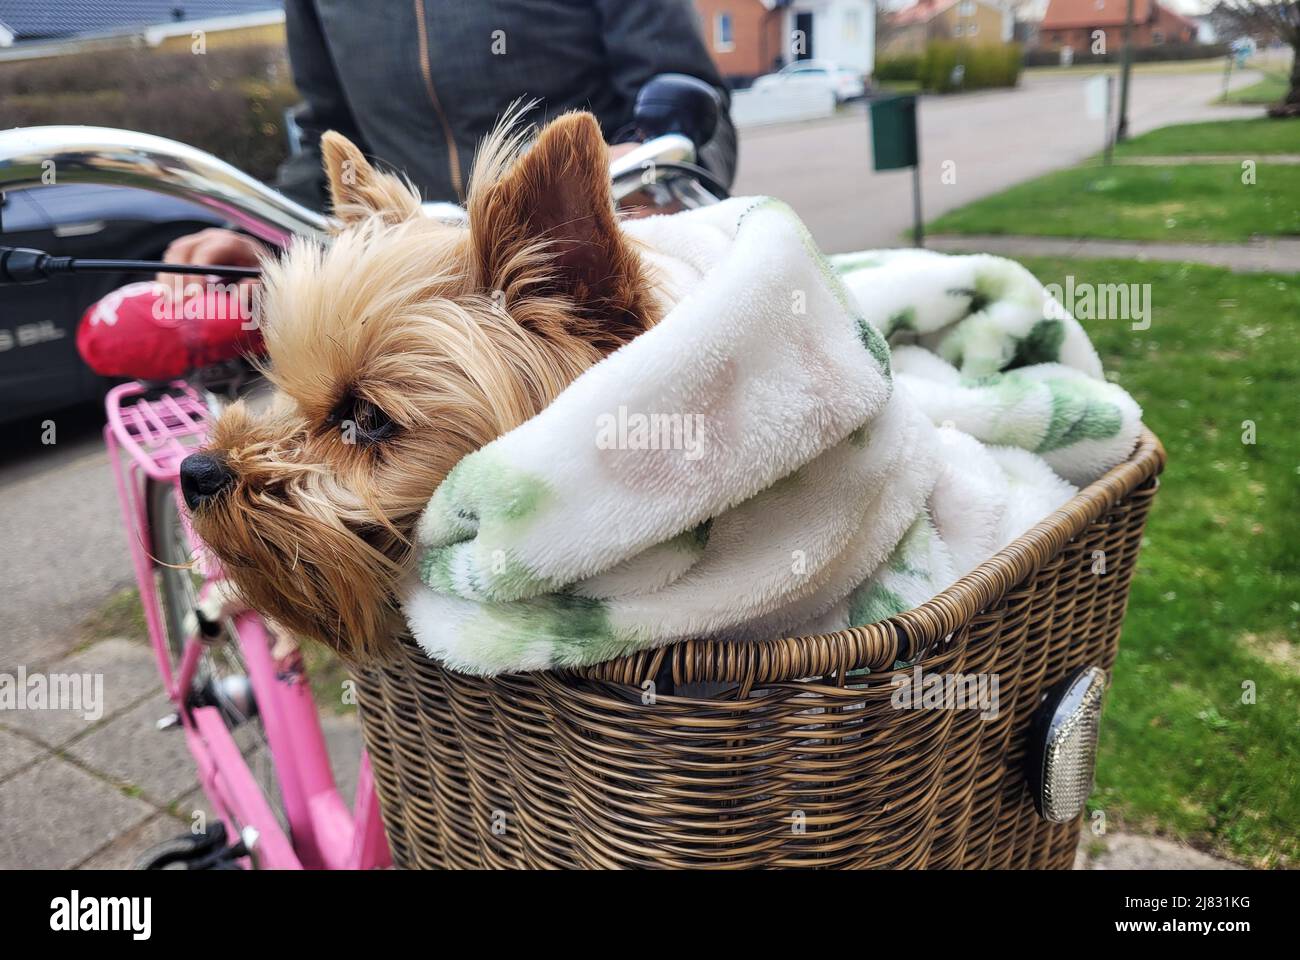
(394, 350)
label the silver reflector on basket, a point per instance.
(1065, 745)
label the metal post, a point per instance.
(1227, 74)
(1121, 131)
(1110, 84)
(918, 231)
(918, 227)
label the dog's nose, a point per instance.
(203, 476)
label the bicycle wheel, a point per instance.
(222, 678)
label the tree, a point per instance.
(1265, 21)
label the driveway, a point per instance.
(984, 142)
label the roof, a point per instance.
(1093, 13)
(44, 20)
(923, 11)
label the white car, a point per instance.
(844, 83)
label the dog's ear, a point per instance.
(358, 190)
(553, 206)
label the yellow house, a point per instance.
(975, 21)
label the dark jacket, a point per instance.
(416, 84)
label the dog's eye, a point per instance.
(365, 422)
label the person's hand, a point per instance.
(214, 247)
(621, 150)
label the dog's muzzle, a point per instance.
(203, 476)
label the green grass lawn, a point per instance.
(1271, 89)
(1216, 599)
(1176, 204)
(1241, 138)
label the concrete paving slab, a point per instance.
(124, 852)
(1122, 851)
(129, 675)
(15, 752)
(343, 735)
(62, 546)
(66, 815)
(131, 749)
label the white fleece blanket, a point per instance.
(761, 463)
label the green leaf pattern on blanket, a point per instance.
(571, 630)
(488, 501)
(1042, 345)
(875, 344)
(1072, 410)
(873, 603)
(1079, 412)
(906, 579)
(979, 344)
(903, 320)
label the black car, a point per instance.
(39, 366)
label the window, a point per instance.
(722, 39)
(972, 29)
(966, 9)
(852, 25)
(1157, 38)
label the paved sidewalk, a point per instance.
(1124, 851)
(77, 793)
(1264, 256)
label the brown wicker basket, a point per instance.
(799, 760)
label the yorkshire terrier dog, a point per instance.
(396, 349)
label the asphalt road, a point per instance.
(62, 549)
(985, 142)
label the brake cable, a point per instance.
(22, 265)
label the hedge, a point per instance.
(984, 66)
(906, 67)
(229, 101)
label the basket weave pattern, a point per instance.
(797, 758)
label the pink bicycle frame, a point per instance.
(155, 434)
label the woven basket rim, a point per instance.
(877, 646)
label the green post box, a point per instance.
(893, 144)
(893, 132)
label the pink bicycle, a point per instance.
(226, 671)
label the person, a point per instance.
(418, 84)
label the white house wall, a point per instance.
(829, 33)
